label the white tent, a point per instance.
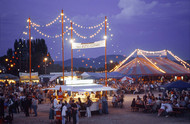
(83, 86)
(127, 79)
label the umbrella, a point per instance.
(177, 84)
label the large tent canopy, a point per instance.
(141, 66)
(152, 63)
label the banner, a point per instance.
(88, 45)
(152, 53)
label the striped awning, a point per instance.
(141, 66)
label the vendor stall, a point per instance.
(82, 89)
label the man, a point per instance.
(89, 103)
(68, 113)
(63, 113)
(55, 103)
(74, 111)
(27, 104)
(168, 108)
(35, 105)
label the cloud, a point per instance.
(130, 8)
(154, 9)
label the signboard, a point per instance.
(152, 53)
(28, 74)
(88, 45)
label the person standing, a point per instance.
(74, 111)
(1, 106)
(10, 106)
(26, 106)
(89, 103)
(100, 105)
(105, 104)
(68, 113)
(78, 112)
(63, 113)
(55, 103)
(35, 105)
(51, 113)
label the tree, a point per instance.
(10, 53)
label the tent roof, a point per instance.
(83, 88)
(141, 66)
(8, 76)
(93, 75)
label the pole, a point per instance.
(30, 48)
(62, 45)
(45, 66)
(105, 51)
(71, 52)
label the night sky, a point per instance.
(144, 24)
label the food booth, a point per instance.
(82, 89)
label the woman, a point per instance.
(104, 104)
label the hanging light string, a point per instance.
(66, 19)
(80, 26)
(120, 64)
(179, 59)
(152, 63)
(46, 35)
(46, 25)
(91, 36)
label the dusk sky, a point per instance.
(144, 24)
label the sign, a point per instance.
(88, 45)
(28, 74)
(152, 53)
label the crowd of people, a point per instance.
(16, 99)
(64, 111)
(25, 98)
(166, 104)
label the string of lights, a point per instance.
(91, 36)
(46, 25)
(152, 63)
(179, 59)
(46, 35)
(120, 64)
(80, 26)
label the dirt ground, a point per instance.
(116, 116)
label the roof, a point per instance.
(93, 75)
(83, 88)
(8, 76)
(141, 66)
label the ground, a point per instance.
(115, 116)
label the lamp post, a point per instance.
(45, 59)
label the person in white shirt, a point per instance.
(168, 107)
(162, 108)
(114, 100)
(55, 103)
(63, 113)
